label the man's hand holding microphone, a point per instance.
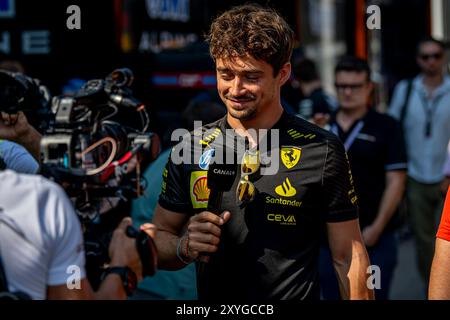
(202, 236)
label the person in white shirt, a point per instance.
(423, 106)
(17, 158)
(41, 243)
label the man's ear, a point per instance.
(285, 73)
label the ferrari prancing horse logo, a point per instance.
(290, 156)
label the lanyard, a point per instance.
(429, 109)
(352, 136)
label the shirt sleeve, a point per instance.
(444, 227)
(17, 158)
(174, 195)
(66, 239)
(396, 151)
(398, 99)
(338, 184)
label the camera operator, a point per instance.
(19, 137)
(19, 143)
(85, 151)
(40, 234)
(41, 238)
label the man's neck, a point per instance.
(431, 82)
(347, 117)
(263, 120)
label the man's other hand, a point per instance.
(15, 128)
(122, 249)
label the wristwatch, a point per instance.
(129, 278)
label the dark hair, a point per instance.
(306, 70)
(255, 30)
(353, 64)
(428, 39)
(12, 65)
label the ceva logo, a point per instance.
(282, 219)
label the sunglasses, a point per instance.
(250, 164)
(436, 56)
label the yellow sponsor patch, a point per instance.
(199, 189)
(286, 189)
(290, 156)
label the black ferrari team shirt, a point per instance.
(269, 248)
(375, 146)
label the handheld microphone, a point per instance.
(220, 179)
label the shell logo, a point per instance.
(200, 189)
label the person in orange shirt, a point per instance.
(439, 288)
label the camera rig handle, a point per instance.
(146, 248)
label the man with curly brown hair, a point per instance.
(265, 244)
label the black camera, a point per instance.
(82, 119)
(87, 148)
(89, 151)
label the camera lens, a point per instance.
(122, 77)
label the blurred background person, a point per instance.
(316, 105)
(422, 105)
(376, 151)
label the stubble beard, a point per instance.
(243, 115)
